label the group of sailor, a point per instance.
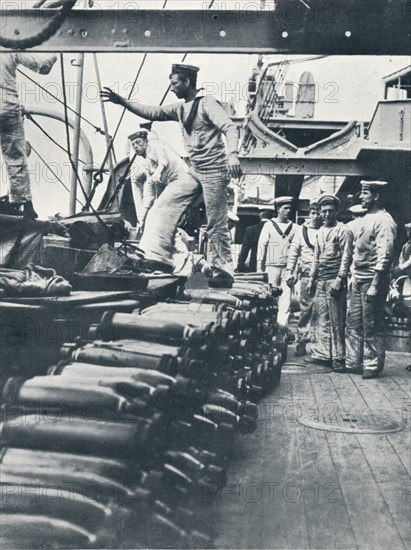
(324, 252)
(331, 258)
(327, 252)
(211, 164)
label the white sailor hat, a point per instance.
(328, 198)
(281, 201)
(314, 202)
(357, 210)
(233, 217)
(408, 226)
(376, 185)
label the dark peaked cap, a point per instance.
(140, 133)
(328, 198)
(376, 185)
(186, 70)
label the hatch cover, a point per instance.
(363, 422)
(299, 368)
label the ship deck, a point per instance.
(293, 486)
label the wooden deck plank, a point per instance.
(395, 390)
(321, 488)
(322, 493)
(393, 480)
(376, 399)
(258, 508)
(401, 443)
(348, 392)
(373, 525)
(298, 487)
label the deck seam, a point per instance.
(335, 467)
(301, 476)
(379, 490)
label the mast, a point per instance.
(79, 63)
(109, 142)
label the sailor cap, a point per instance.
(140, 133)
(281, 201)
(377, 184)
(186, 70)
(314, 202)
(328, 198)
(233, 217)
(357, 209)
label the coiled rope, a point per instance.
(45, 34)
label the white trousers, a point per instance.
(277, 276)
(13, 147)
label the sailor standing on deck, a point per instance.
(273, 245)
(203, 123)
(373, 256)
(156, 166)
(302, 253)
(12, 137)
(332, 260)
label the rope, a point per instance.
(53, 172)
(96, 128)
(96, 214)
(45, 34)
(129, 95)
(30, 117)
(98, 176)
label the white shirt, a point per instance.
(273, 247)
(37, 62)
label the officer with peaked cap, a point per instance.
(332, 260)
(300, 256)
(372, 259)
(156, 166)
(203, 123)
(273, 245)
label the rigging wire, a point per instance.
(98, 176)
(109, 141)
(30, 117)
(129, 96)
(96, 128)
(96, 214)
(53, 172)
